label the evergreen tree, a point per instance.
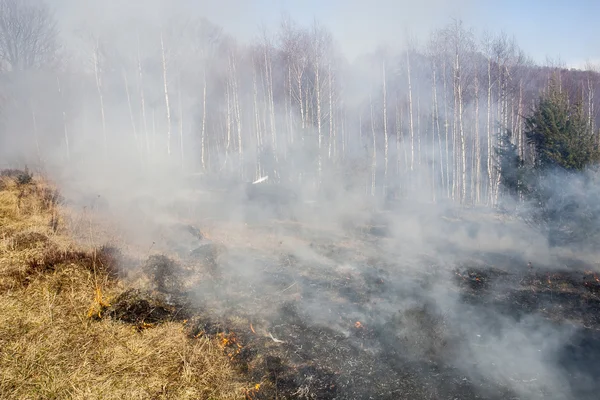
(510, 166)
(560, 133)
(557, 183)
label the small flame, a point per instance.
(252, 329)
(251, 393)
(358, 325)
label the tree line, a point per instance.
(431, 119)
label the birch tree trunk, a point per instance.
(410, 113)
(398, 139)
(228, 115)
(256, 122)
(374, 160)
(419, 155)
(203, 132)
(319, 129)
(477, 146)
(447, 132)
(489, 135)
(271, 102)
(344, 134)
(385, 132)
(166, 91)
(288, 106)
(143, 100)
(238, 116)
(462, 142)
(433, 186)
(437, 125)
(64, 118)
(101, 97)
(181, 141)
(331, 133)
(455, 156)
(130, 107)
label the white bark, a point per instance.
(437, 126)
(228, 121)
(410, 113)
(385, 130)
(64, 115)
(101, 97)
(490, 164)
(256, 121)
(374, 159)
(237, 113)
(166, 90)
(331, 131)
(203, 132)
(449, 172)
(131, 116)
(142, 99)
(181, 141)
(462, 132)
(477, 146)
(318, 94)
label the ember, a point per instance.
(358, 325)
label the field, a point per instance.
(280, 308)
(54, 343)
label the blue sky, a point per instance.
(569, 30)
(554, 28)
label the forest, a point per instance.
(430, 119)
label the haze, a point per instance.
(347, 139)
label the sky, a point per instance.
(557, 29)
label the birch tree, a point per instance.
(166, 92)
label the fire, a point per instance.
(229, 343)
(251, 393)
(252, 329)
(358, 325)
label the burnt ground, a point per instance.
(312, 315)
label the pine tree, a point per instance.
(557, 182)
(560, 134)
(511, 167)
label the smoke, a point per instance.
(351, 195)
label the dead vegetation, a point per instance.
(55, 341)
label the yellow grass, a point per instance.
(51, 349)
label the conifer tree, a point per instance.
(560, 134)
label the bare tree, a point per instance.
(28, 35)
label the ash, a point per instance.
(351, 311)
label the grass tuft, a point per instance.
(54, 341)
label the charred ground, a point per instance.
(305, 310)
(337, 314)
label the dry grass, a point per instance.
(50, 348)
